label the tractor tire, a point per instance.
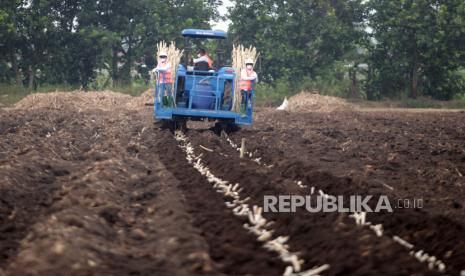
(226, 127)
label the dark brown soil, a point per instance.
(419, 155)
(83, 194)
(86, 191)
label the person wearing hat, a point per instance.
(165, 80)
(248, 79)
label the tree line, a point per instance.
(384, 47)
(70, 41)
(377, 48)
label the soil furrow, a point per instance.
(90, 187)
(333, 230)
(427, 228)
(237, 251)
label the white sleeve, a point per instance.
(200, 59)
(165, 68)
(245, 77)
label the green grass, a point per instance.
(135, 89)
(11, 94)
(273, 95)
(266, 95)
(457, 104)
(420, 103)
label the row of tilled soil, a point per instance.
(30, 171)
(235, 250)
(82, 195)
(418, 155)
(331, 238)
(106, 192)
(437, 228)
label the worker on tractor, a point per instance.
(203, 62)
(248, 79)
(165, 81)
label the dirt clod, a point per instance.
(312, 102)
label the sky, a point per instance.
(222, 25)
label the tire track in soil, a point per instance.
(236, 251)
(322, 237)
(434, 228)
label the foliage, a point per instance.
(10, 94)
(295, 38)
(271, 95)
(373, 49)
(68, 42)
(418, 46)
(363, 49)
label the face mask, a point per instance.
(163, 59)
(249, 67)
(199, 55)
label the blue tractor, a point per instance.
(200, 93)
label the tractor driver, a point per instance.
(203, 62)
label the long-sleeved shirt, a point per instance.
(204, 58)
(163, 67)
(165, 72)
(249, 76)
(246, 79)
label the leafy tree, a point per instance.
(64, 41)
(296, 38)
(417, 45)
(9, 38)
(138, 24)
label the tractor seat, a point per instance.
(201, 66)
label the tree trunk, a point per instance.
(31, 77)
(126, 70)
(14, 61)
(414, 83)
(114, 64)
(370, 92)
(353, 83)
(14, 64)
(414, 75)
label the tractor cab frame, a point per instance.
(201, 95)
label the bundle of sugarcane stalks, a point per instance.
(239, 55)
(173, 58)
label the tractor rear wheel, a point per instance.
(180, 124)
(165, 124)
(173, 124)
(226, 127)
